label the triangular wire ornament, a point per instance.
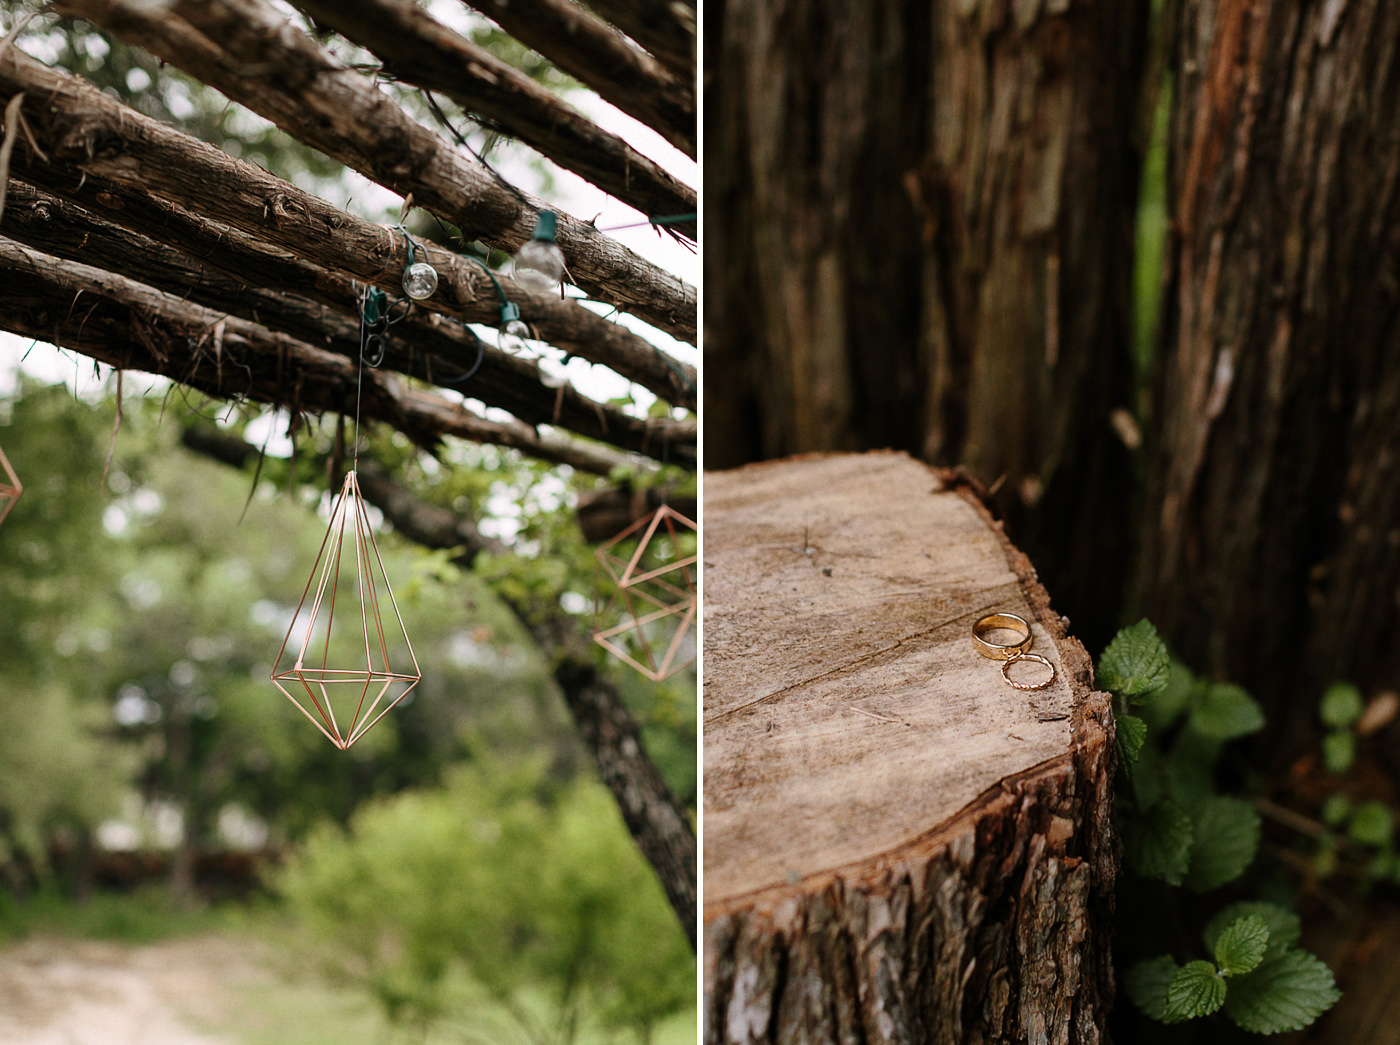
(10, 486)
(370, 684)
(648, 592)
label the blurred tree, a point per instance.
(58, 767)
(512, 878)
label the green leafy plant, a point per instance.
(1340, 710)
(1180, 829)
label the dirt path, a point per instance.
(74, 992)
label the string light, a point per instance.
(539, 264)
(420, 280)
(513, 332)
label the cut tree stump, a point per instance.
(898, 846)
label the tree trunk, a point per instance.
(1271, 538)
(899, 847)
(920, 236)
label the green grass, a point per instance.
(143, 916)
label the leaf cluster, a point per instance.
(1181, 829)
(517, 880)
(1263, 982)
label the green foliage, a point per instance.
(1262, 981)
(1285, 993)
(1340, 708)
(1131, 735)
(1181, 829)
(1196, 990)
(1341, 705)
(1148, 982)
(1284, 927)
(1224, 711)
(1338, 751)
(1241, 945)
(515, 879)
(1226, 837)
(1372, 824)
(1158, 842)
(1135, 664)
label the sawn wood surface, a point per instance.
(846, 712)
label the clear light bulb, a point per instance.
(512, 337)
(539, 264)
(420, 280)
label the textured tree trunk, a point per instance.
(1271, 537)
(899, 847)
(920, 236)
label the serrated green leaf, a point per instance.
(1147, 982)
(1131, 734)
(1336, 809)
(1135, 664)
(1242, 945)
(1341, 705)
(1338, 751)
(1166, 705)
(1225, 711)
(1284, 926)
(1283, 994)
(1158, 843)
(1196, 990)
(1372, 824)
(1226, 839)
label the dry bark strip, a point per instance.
(232, 44)
(1271, 530)
(659, 824)
(599, 57)
(898, 846)
(427, 351)
(666, 28)
(419, 50)
(133, 327)
(75, 123)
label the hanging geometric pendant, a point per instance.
(343, 702)
(10, 486)
(650, 591)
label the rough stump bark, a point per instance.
(898, 846)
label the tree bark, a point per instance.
(421, 51)
(899, 847)
(1271, 534)
(342, 114)
(56, 227)
(667, 30)
(76, 123)
(133, 327)
(920, 236)
(598, 56)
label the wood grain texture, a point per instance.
(1270, 542)
(897, 845)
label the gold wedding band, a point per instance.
(1012, 652)
(1001, 622)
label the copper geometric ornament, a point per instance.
(649, 592)
(358, 691)
(10, 486)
